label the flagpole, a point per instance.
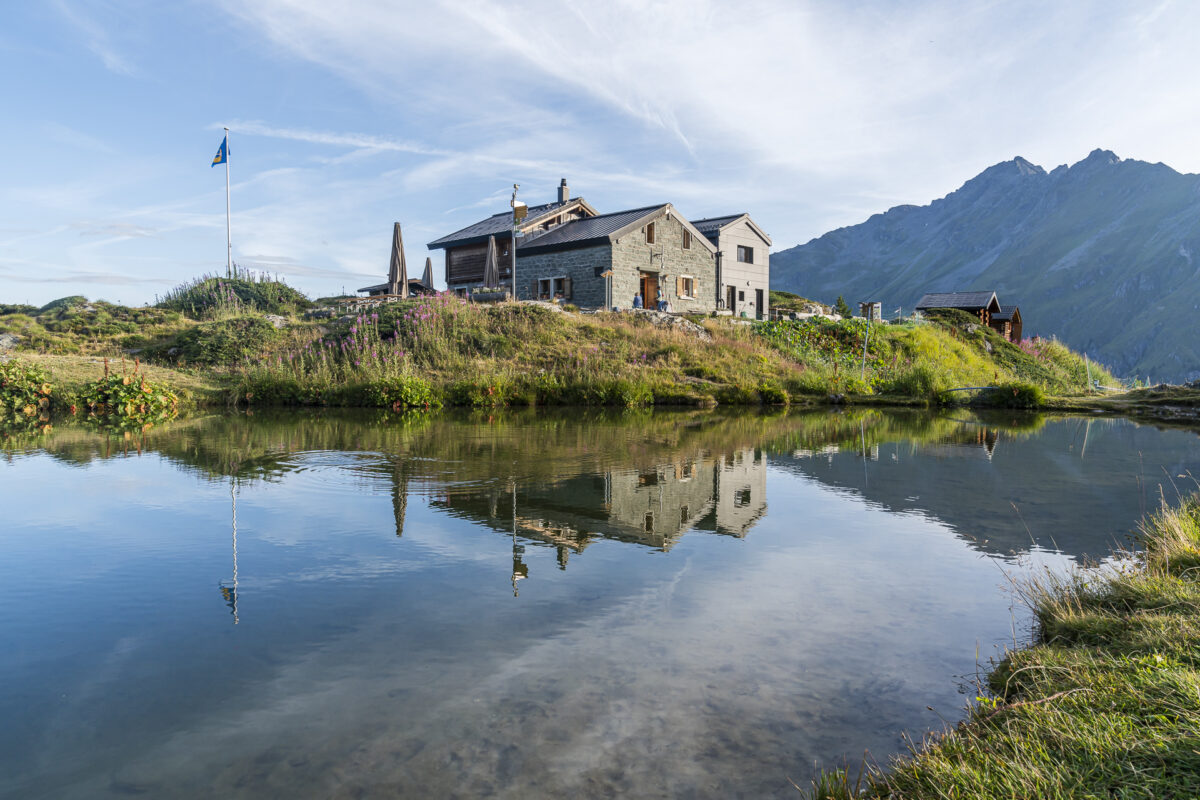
(228, 240)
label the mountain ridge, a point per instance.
(1101, 253)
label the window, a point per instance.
(649, 522)
(561, 287)
(745, 254)
(650, 233)
(687, 240)
(544, 289)
(683, 515)
(741, 295)
(741, 498)
(685, 286)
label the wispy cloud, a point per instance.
(95, 35)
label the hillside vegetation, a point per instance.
(1105, 254)
(220, 342)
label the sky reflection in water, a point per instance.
(533, 605)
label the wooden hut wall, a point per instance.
(465, 264)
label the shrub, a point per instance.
(210, 296)
(402, 392)
(131, 397)
(24, 390)
(772, 393)
(225, 341)
(63, 303)
(1014, 395)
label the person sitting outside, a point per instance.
(637, 300)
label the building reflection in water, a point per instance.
(652, 506)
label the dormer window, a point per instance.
(650, 233)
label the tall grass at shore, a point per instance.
(451, 351)
(1106, 703)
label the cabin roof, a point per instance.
(501, 224)
(711, 227)
(960, 300)
(581, 231)
(1007, 314)
(380, 287)
(601, 228)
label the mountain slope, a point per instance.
(1105, 254)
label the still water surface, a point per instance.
(533, 606)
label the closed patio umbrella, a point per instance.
(491, 266)
(427, 277)
(398, 268)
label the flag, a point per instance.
(222, 152)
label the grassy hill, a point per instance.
(1104, 254)
(443, 351)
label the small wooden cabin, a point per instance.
(982, 304)
(1007, 323)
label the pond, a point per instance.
(531, 605)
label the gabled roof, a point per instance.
(501, 224)
(961, 300)
(601, 228)
(711, 227)
(1007, 314)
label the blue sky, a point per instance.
(348, 116)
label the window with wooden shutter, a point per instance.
(679, 287)
(567, 288)
(533, 290)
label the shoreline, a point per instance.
(1103, 703)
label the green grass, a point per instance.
(925, 360)
(212, 296)
(443, 351)
(1105, 704)
(74, 325)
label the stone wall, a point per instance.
(582, 266)
(668, 258)
(629, 256)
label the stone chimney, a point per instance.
(564, 194)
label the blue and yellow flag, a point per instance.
(222, 152)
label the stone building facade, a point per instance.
(569, 253)
(642, 250)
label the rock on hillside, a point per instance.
(1105, 254)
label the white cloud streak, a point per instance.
(95, 35)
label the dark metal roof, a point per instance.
(962, 300)
(711, 226)
(384, 286)
(1006, 313)
(580, 232)
(495, 225)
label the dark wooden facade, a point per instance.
(1007, 323)
(464, 264)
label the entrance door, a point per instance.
(731, 299)
(758, 303)
(649, 285)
